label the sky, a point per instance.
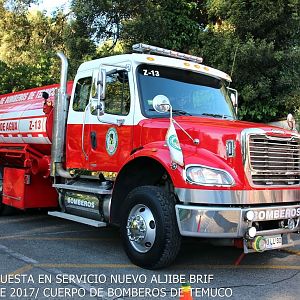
(50, 5)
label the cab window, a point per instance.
(117, 100)
(82, 93)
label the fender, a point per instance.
(159, 151)
(150, 165)
(192, 156)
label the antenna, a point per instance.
(234, 57)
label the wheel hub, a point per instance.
(137, 228)
(141, 228)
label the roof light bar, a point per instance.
(153, 49)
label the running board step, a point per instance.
(83, 186)
(77, 219)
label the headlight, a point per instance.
(208, 176)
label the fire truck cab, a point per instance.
(150, 142)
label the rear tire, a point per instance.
(149, 229)
(6, 210)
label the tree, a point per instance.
(267, 65)
(29, 42)
(168, 23)
(102, 19)
(257, 41)
(18, 5)
(173, 24)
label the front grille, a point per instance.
(273, 160)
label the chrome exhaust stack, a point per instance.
(59, 123)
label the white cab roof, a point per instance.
(137, 59)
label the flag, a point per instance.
(174, 145)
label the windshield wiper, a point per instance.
(181, 112)
(217, 116)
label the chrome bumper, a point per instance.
(237, 197)
(228, 222)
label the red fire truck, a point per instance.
(149, 141)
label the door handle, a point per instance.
(94, 140)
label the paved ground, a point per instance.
(42, 257)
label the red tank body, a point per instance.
(22, 120)
(26, 124)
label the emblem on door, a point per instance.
(111, 141)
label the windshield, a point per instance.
(190, 93)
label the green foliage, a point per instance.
(76, 44)
(267, 68)
(110, 48)
(173, 24)
(257, 41)
(168, 23)
(18, 5)
(29, 43)
(102, 19)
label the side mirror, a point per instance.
(94, 92)
(102, 83)
(93, 106)
(234, 98)
(95, 84)
(98, 92)
(101, 108)
(291, 122)
(97, 109)
(161, 104)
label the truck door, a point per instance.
(78, 127)
(111, 135)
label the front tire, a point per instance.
(149, 229)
